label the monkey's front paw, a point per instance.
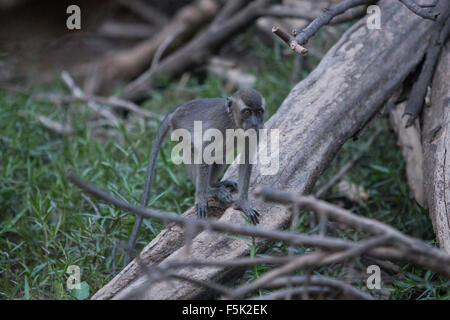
(222, 194)
(201, 210)
(229, 184)
(251, 213)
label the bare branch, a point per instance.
(336, 13)
(77, 92)
(230, 8)
(419, 89)
(128, 64)
(339, 285)
(289, 40)
(424, 12)
(214, 225)
(416, 251)
(241, 262)
(302, 36)
(56, 126)
(199, 49)
(112, 101)
(141, 80)
(284, 11)
(149, 14)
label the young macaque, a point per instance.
(243, 110)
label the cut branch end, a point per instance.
(289, 40)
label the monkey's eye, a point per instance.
(246, 113)
(259, 112)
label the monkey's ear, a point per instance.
(228, 103)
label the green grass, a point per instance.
(46, 223)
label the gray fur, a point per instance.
(214, 114)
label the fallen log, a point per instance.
(202, 46)
(129, 63)
(337, 99)
(436, 143)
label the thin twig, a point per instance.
(143, 78)
(112, 101)
(56, 126)
(302, 36)
(315, 280)
(214, 225)
(77, 92)
(289, 40)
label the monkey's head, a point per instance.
(248, 107)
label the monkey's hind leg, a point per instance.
(242, 202)
(202, 188)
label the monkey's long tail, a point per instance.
(157, 142)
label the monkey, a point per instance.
(243, 110)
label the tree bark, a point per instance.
(323, 111)
(436, 143)
(409, 140)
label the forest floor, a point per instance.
(47, 224)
